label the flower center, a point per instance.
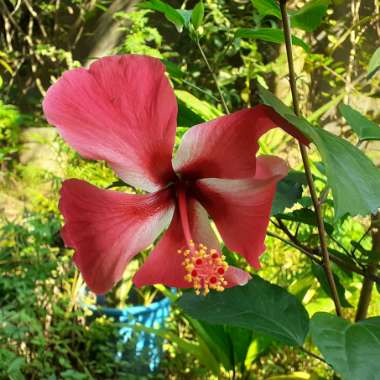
(205, 268)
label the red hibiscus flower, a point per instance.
(123, 110)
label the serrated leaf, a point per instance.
(197, 15)
(274, 35)
(310, 16)
(364, 128)
(258, 306)
(352, 349)
(289, 191)
(374, 64)
(352, 176)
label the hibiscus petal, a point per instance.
(107, 228)
(241, 208)
(164, 264)
(121, 110)
(226, 147)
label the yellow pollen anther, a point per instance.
(205, 268)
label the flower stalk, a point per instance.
(305, 160)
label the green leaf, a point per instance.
(167, 10)
(320, 274)
(364, 128)
(197, 15)
(275, 35)
(352, 349)
(186, 117)
(267, 8)
(352, 176)
(305, 216)
(374, 64)
(186, 15)
(258, 306)
(310, 16)
(289, 191)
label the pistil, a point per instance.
(205, 268)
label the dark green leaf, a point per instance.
(289, 191)
(310, 16)
(172, 69)
(374, 64)
(217, 340)
(275, 35)
(320, 273)
(258, 306)
(364, 128)
(267, 8)
(305, 216)
(352, 349)
(197, 15)
(352, 176)
(167, 10)
(186, 117)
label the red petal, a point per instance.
(107, 228)
(121, 110)
(164, 265)
(226, 147)
(241, 208)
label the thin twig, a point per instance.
(315, 356)
(314, 255)
(305, 159)
(213, 76)
(366, 291)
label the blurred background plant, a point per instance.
(45, 332)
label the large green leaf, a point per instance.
(364, 128)
(352, 349)
(289, 191)
(275, 35)
(374, 63)
(259, 306)
(310, 16)
(352, 176)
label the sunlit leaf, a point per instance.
(374, 64)
(274, 35)
(364, 128)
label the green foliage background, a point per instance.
(45, 333)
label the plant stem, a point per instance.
(366, 291)
(227, 111)
(305, 159)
